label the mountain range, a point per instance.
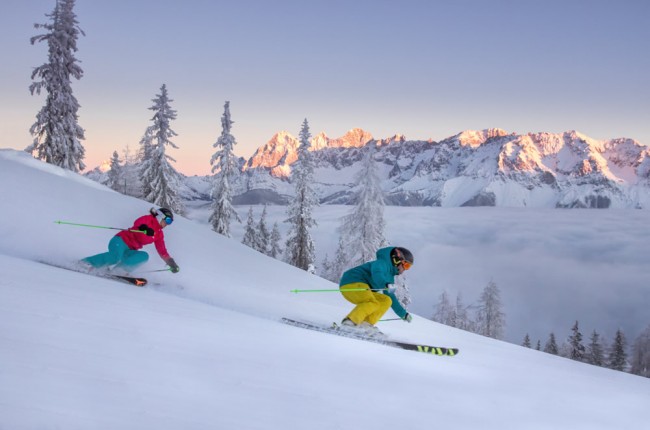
(473, 168)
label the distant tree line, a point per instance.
(486, 318)
(596, 350)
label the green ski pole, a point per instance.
(97, 226)
(327, 290)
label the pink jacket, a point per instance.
(137, 240)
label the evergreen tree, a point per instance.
(539, 345)
(130, 173)
(490, 318)
(576, 348)
(551, 345)
(640, 361)
(275, 250)
(526, 342)
(363, 228)
(300, 247)
(250, 234)
(158, 176)
(444, 311)
(339, 264)
(224, 164)
(263, 234)
(56, 132)
(402, 291)
(595, 352)
(617, 359)
(145, 156)
(115, 174)
(462, 317)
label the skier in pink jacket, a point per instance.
(124, 247)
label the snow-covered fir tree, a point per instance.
(224, 165)
(595, 350)
(115, 174)
(551, 345)
(539, 345)
(402, 291)
(300, 248)
(640, 360)
(617, 358)
(363, 228)
(57, 134)
(157, 174)
(263, 234)
(463, 320)
(250, 233)
(335, 268)
(526, 341)
(145, 154)
(445, 312)
(490, 319)
(275, 250)
(576, 348)
(130, 173)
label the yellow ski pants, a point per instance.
(371, 306)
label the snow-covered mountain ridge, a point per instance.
(474, 168)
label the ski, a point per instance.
(138, 282)
(337, 330)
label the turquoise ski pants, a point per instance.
(118, 254)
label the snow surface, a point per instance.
(203, 349)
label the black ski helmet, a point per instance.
(399, 254)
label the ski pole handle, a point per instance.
(97, 226)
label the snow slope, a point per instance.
(203, 349)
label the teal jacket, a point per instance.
(378, 274)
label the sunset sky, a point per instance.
(424, 69)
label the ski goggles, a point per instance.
(168, 220)
(406, 265)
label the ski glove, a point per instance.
(146, 229)
(408, 318)
(172, 265)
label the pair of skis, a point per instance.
(335, 329)
(137, 281)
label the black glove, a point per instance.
(408, 317)
(172, 265)
(146, 229)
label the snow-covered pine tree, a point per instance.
(463, 321)
(539, 345)
(444, 312)
(595, 351)
(115, 174)
(490, 318)
(250, 234)
(275, 250)
(640, 361)
(526, 342)
(130, 173)
(617, 359)
(145, 155)
(551, 345)
(263, 234)
(224, 166)
(576, 348)
(57, 134)
(340, 263)
(157, 175)
(300, 247)
(363, 227)
(402, 291)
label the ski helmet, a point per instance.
(163, 213)
(403, 256)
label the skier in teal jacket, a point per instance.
(366, 286)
